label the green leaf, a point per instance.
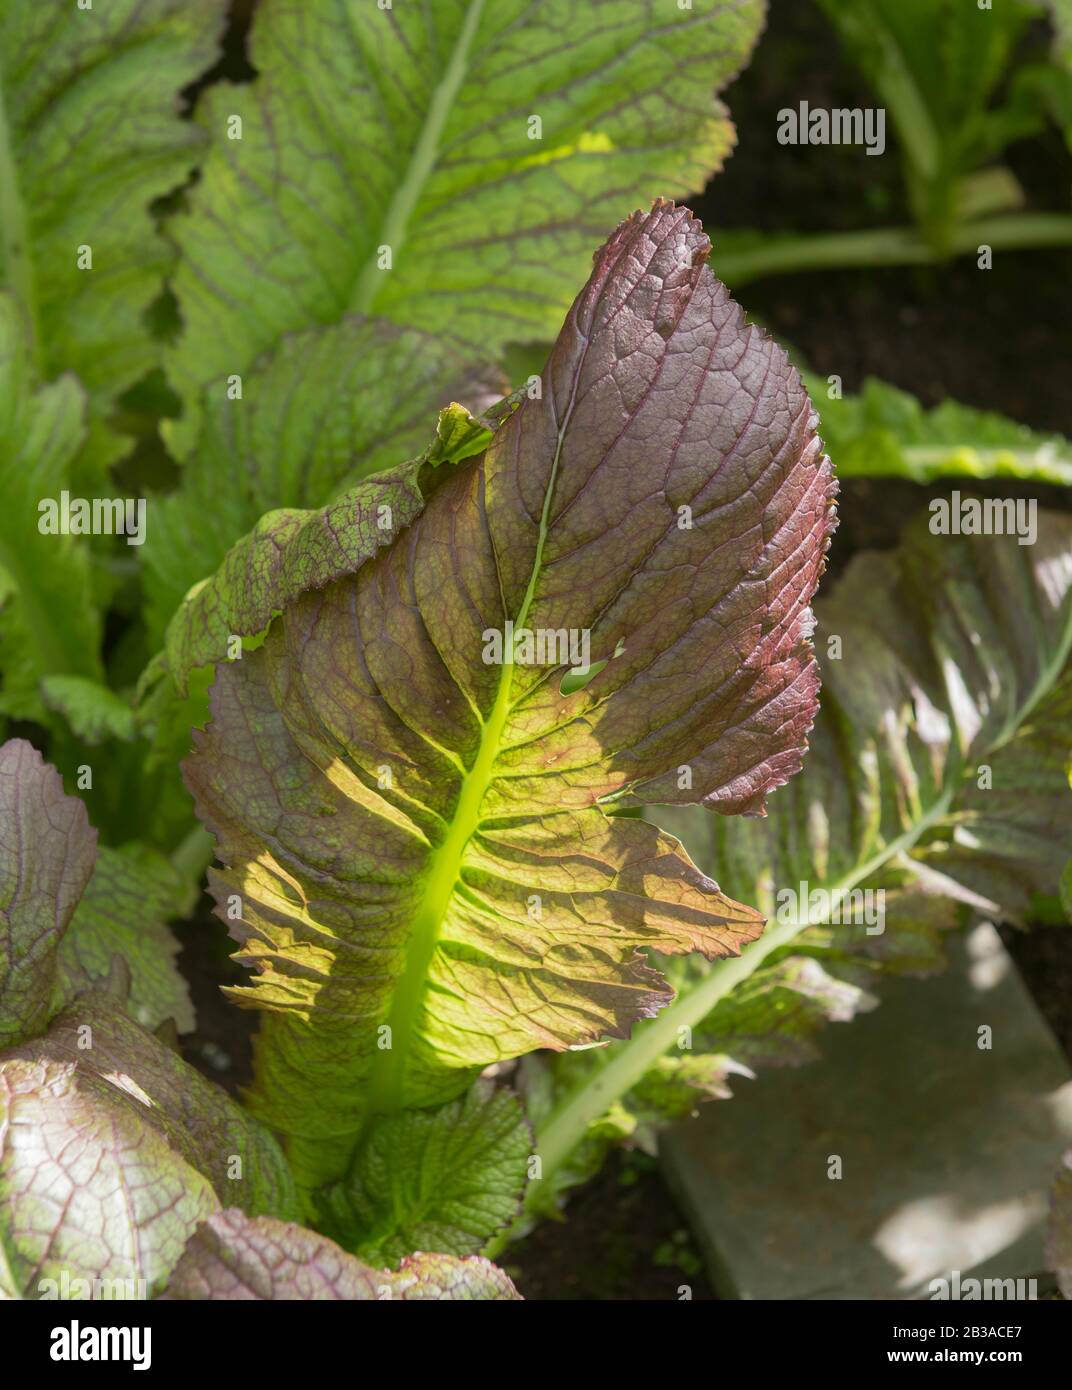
(415, 833)
(936, 64)
(90, 134)
(773, 1018)
(1062, 23)
(94, 712)
(232, 1257)
(46, 858)
(489, 230)
(49, 623)
(444, 1180)
(1048, 85)
(670, 1090)
(112, 1150)
(1013, 825)
(290, 552)
(123, 911)
(330, 406)
(885, 432)
(1044, 88)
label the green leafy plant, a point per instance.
(957, 89)
(495, 653)
(883, 432)
(79, 250)
(473, 802)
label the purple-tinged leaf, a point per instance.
(414, 825)
(197, 1118)
(233, 1257)
(47, 851)
(111, 1147)
(89, 1190)
(111, 1151)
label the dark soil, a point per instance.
(993, 339)
(1044, 958)
(622, 1239)
(221, 1045)
(997, 340)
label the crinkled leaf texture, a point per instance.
(938, 762)
(233, 1257)
(130, 895)
(198, 1119)
(937, 771)
(488, 221)
(90, 134)
(327, 407)
(67, 911)
(290, 551)
(93, 710)
(111, 1147)
(415, 838)
(47, 850)
(89, 1190)
(112, 1150)
(444, 1180)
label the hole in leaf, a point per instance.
(579, 676)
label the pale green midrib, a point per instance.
(14, 243)
(920, 138)
(408, 190)
(569, 1120)
(387, 1079)
(1047, 679)
(388, 1072)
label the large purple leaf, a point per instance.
(420, 863)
